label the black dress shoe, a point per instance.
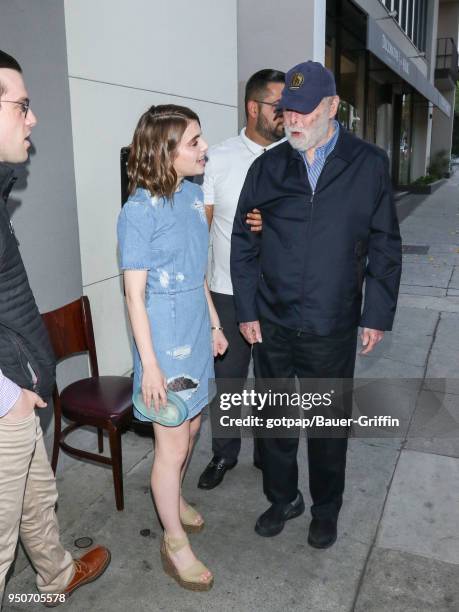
(271, 522)
(214, 472)
(322, 532)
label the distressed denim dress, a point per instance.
(169, 238)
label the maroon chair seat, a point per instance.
(104, 402)
(93, 397)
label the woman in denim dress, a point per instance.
(163, 239)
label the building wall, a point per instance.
(43, 203)
(124, 57)
(442, 127)
(422, 114)
(431, 37)
(442, 133)
(277, 35)
(376, 10)
(448, 20)
(421, 137)
(431, 55)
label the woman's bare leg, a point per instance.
(171, 450)
(195, 425)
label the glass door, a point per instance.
(403, 116)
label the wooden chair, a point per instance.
(104, 402)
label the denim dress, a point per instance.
(169, 238)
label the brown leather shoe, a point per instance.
(87, 569)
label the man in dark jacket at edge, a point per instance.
(27, 374)
(329, 223)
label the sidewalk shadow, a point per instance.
(409, 204)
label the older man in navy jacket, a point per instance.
(329, 224)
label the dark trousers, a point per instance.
(286, 353)
(233, 364)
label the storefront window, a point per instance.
(351, 90)
(379, 107)
(376, 102)
(348, 116)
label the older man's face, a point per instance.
(305, 131)
(15, 124)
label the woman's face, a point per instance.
(191, 152)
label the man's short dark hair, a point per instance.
(255, 88)
(7, 61)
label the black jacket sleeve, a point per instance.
(245, 248)
(384, 265)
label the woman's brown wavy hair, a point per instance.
(154, 148)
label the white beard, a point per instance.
(311, 136)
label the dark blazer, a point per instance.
(306, 269)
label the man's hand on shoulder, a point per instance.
(251, 331)
(209, 209)
(24, 406)
(253, 219)
(370, 338)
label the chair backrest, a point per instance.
(70, 331)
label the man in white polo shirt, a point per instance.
(225, 174)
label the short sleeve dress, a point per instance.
(169, 238)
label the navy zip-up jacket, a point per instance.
(307, 267)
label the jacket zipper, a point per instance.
(30, 370)
(311, 201)
(306, 258)
(313, 191)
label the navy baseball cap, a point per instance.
(305, 86)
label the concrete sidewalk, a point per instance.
(398, 544)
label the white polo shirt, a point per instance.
(226, 169)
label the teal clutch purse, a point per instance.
(171, 415)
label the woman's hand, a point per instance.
(154, 387)
(219, 342)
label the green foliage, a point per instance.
(439, 168)
(425, 180)
(439, 164)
